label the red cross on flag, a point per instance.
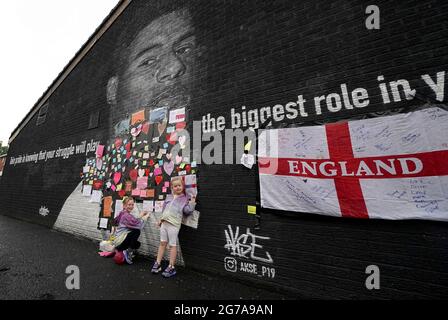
(392, 167)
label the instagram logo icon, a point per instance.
(230, 264)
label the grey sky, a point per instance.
(38, 40)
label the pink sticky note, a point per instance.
(142, 183)
(99, 151)
(136, 193)
(167, 184)
(164, 190)
(158, 171)
(143, 194)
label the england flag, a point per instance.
(392, 167)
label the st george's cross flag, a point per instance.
(391, 167)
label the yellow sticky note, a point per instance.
(251, 209)
(248, 146)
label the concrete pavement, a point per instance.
(33, 262)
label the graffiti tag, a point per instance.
(244, 245)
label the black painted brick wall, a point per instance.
(262, 53)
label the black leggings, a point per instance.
(130, 241)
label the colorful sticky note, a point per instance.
(96, 196)
(103, 223)
(107, 207)
(158, 115)
(150, 193)
(118, 207)
(143, 194)
(136, 193)
(158, 171)
(164, 190)
(177, 115)
(190, 180)
(251, 209)
(142, 183)
(170, 129)
(86, 190)
(138, 117)
(99, 151)
(148, 206)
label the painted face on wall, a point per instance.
(159, 66)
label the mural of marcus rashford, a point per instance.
(149, 96)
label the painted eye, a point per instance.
(184, 49)
(148, 62)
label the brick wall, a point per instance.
(261, 54)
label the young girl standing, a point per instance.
(170, 224)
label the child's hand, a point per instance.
(193, 200)
(144, 214)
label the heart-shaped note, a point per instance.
(172, 138)
(168, 156)
(141, 172)
(121, 193)
(136, 131)
(159, 179)
(178, 159)
(99, 163)
(168, 167)
(182, 140)
(133, 174)
(145, 127)
(117, 177)
(118, 143)
(97, 184)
